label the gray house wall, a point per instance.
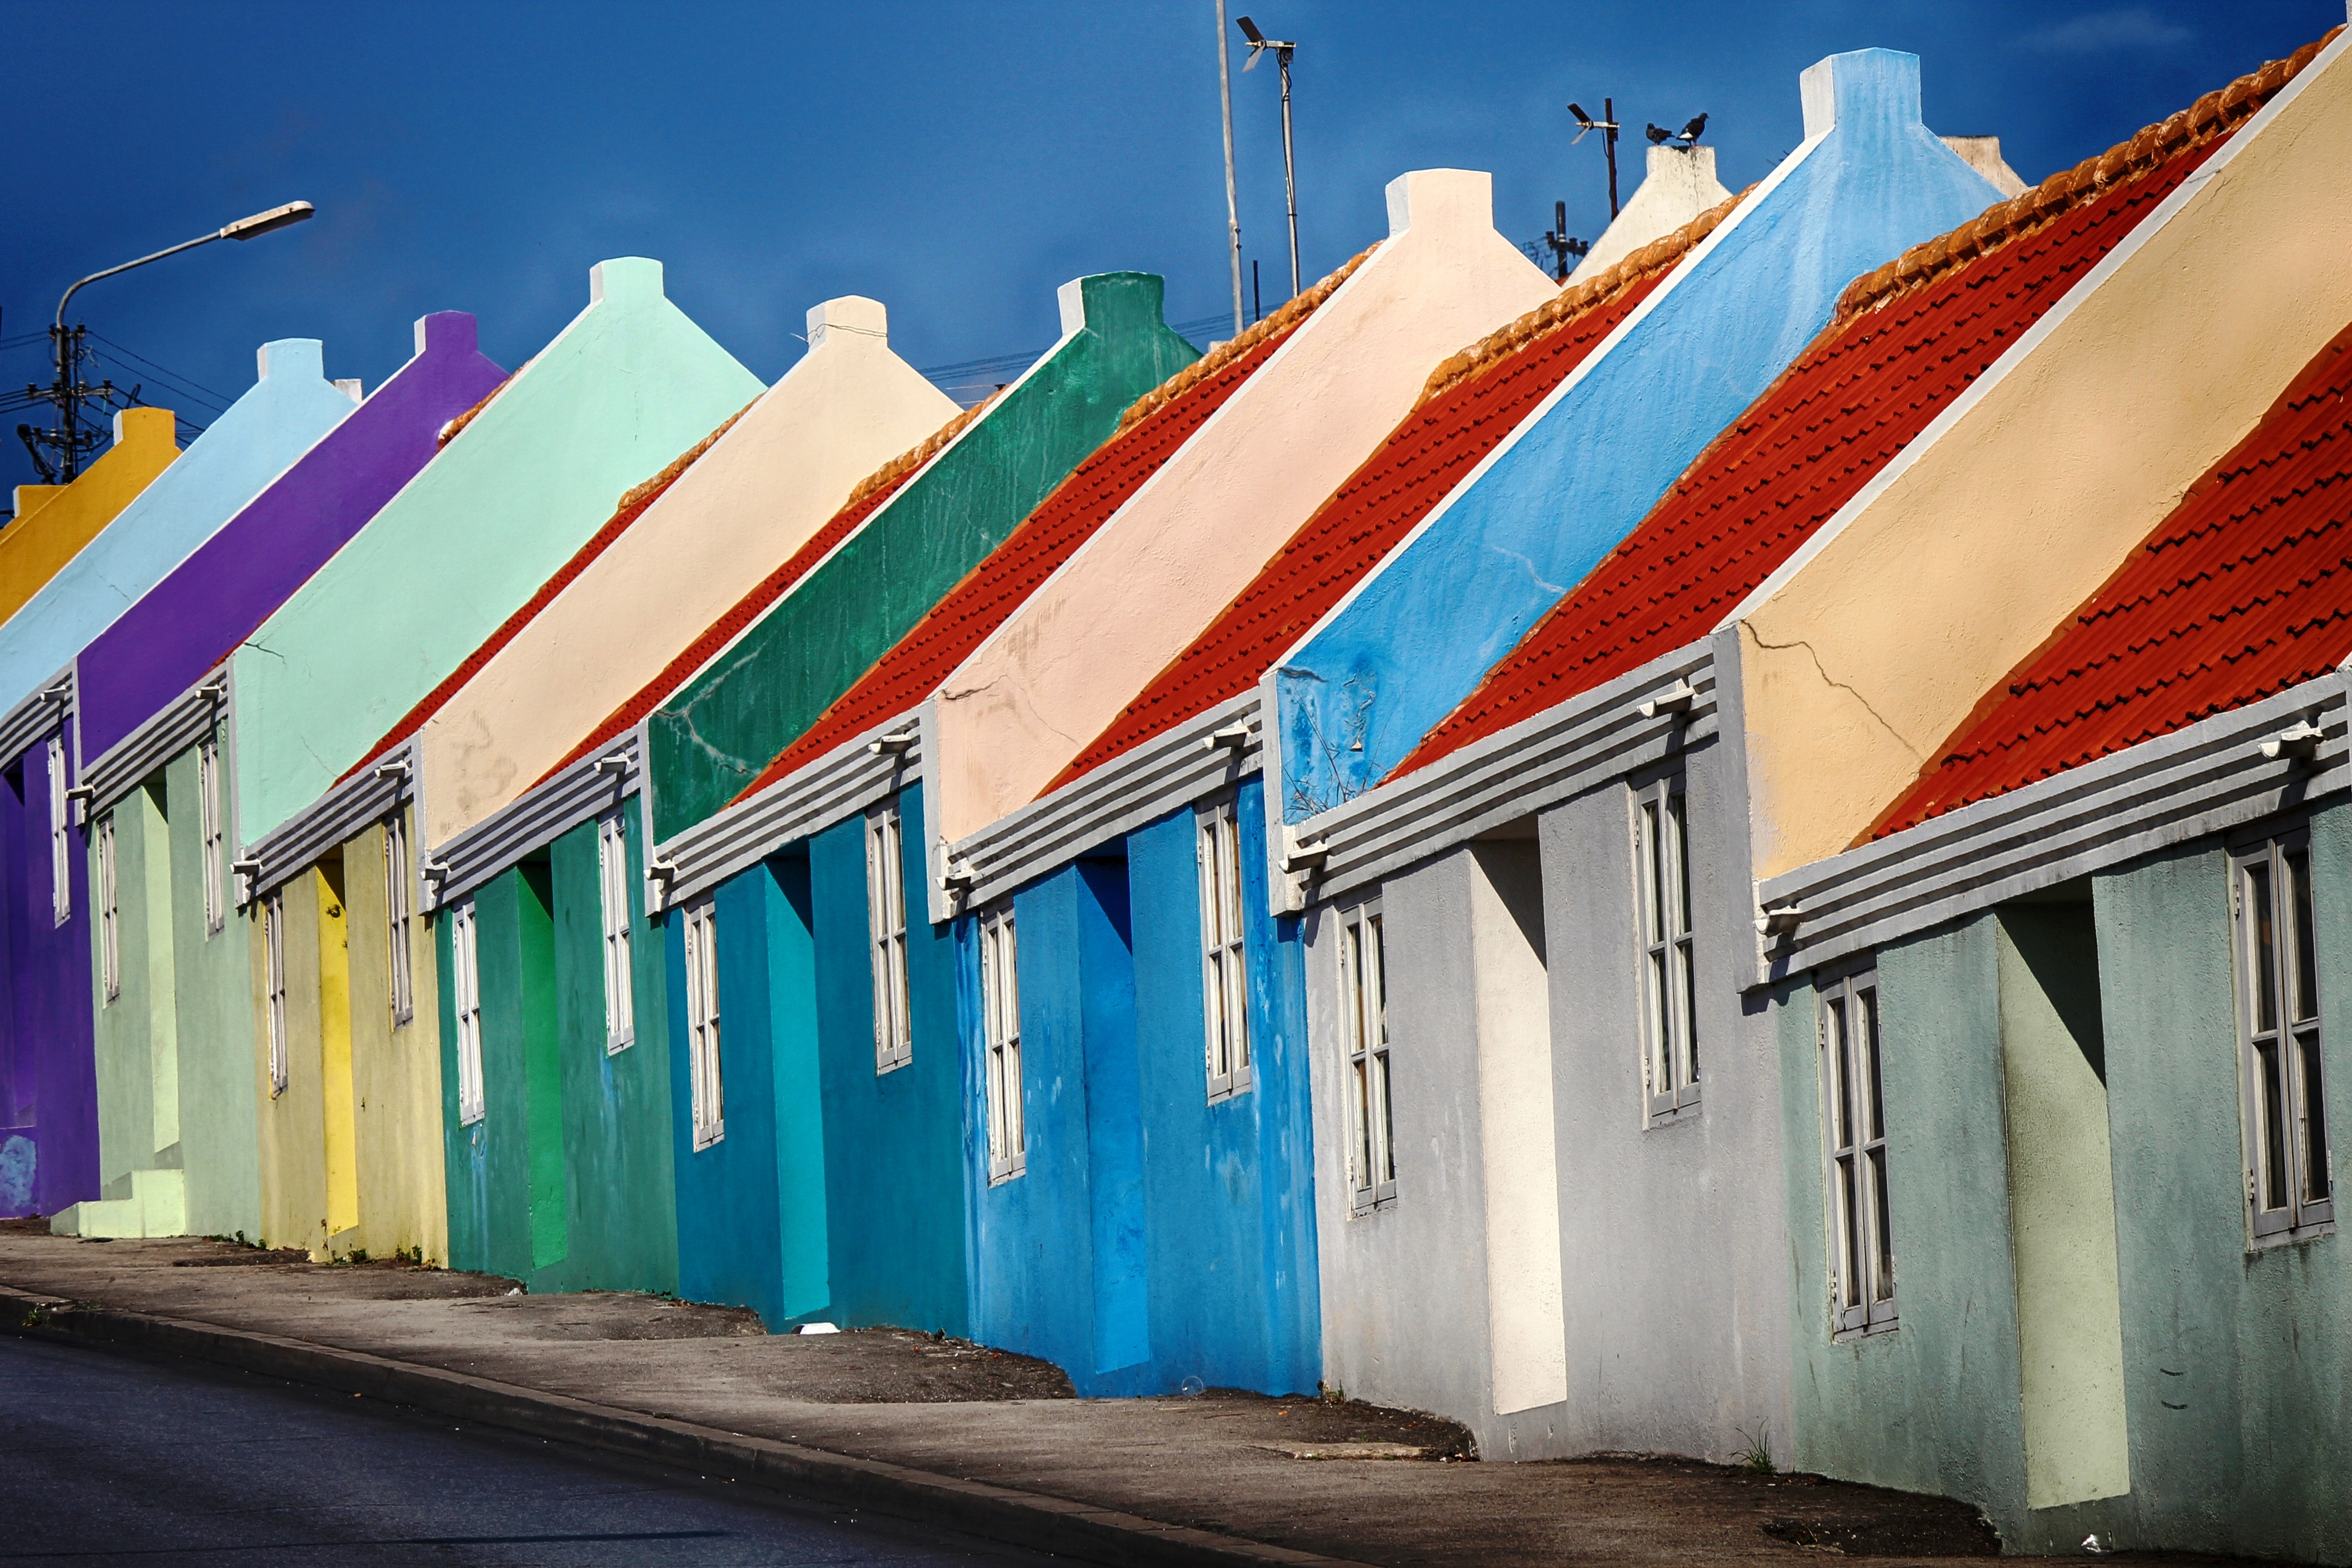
(1672, 1316)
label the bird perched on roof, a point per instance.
(1658, 134)
(1691, 132)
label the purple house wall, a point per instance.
(152, 655)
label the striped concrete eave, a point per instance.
(581, 792)
(2205, 778)
(304, 839)
(185, 720)
(37, 715)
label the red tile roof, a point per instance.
(1149, 434)
(864, 502)
(2243, 591)
(1906, 341)
(1472, 404)
(633, 506)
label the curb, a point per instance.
(997, 1513)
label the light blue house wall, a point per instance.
(1154, 1237)
(2235, 1362)
(275, 422)
(1416, 635)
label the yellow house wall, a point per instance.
(395, 1074)
(1867, 650)
(51, 531)
(335, 1054)
(292, 1123)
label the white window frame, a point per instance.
(1668, 984)
(1000, 1006)
(1364, 1036)
(707, 1088)
(110, 914)
(465, 997)
(400, 980)
(60, 844)
(273, 943)
(1855, 1155)
(613, 903)
(208, 816)
(2290, 1189)
(885, 930)
(1224, 966)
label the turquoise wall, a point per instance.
(2238, 1385)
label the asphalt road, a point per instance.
(110, 1458)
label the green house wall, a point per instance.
(716, 732)
(2236, 1362)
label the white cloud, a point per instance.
(2108, 32)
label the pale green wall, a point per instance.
(138, 1058)
(2062, 1206)
(213, 994)
(2236, 1365)
(620, 393)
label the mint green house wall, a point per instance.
(566, 1181)
(723, 726)
(176, 1048)
(2233, 1428)
(625, 388)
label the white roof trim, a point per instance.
(2205, 778)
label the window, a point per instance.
(61, 850)
(1862, 1256)
(1669, 991)
(1363, 1001)
(208, 816)
(2288, 1193)
(613, 884)
(702, 1022)
(1000, 1004)
(465, 993)
(109, 936)
(1224, 980)
(399, 981)
(885, 925)
(273, 942)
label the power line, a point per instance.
(219, 400)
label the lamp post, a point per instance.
(68, 393)
(1232, 209)
(1259, 43)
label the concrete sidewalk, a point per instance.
(952, 1433)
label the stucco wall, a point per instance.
(1175, 554)
(50, 1008)
(1415, 636)
(395, 1073)
(1677, 184)
(61, 519)
(710, 739)
(291, 1123)
(136, 1039)
(1871, 645)
(776, 477)
(222, 1082)
(629, 384)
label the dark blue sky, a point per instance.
(956, 161)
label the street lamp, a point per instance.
(68, 392)
(1259, 43)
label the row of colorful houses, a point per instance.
(1511, 849)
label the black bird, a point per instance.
(1659, 134)
(1691, 132)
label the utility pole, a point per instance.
(1259, 43)
(1562, 245)
(1233, 207)
(70, 441)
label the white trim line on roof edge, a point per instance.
(838, 785)
(33, 718)
(1166, 773)
(180, 724)
(1591, 738)
(304, 838)
(1680, 270)
(539, 815)
(2198, 780)
(2020, 352)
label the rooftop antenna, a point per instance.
(1232, 209)
(1562, 245)
(1259, 43)
(1607, 126)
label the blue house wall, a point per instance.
(1416, 636)
(894, 1141)
(1154, 1237)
